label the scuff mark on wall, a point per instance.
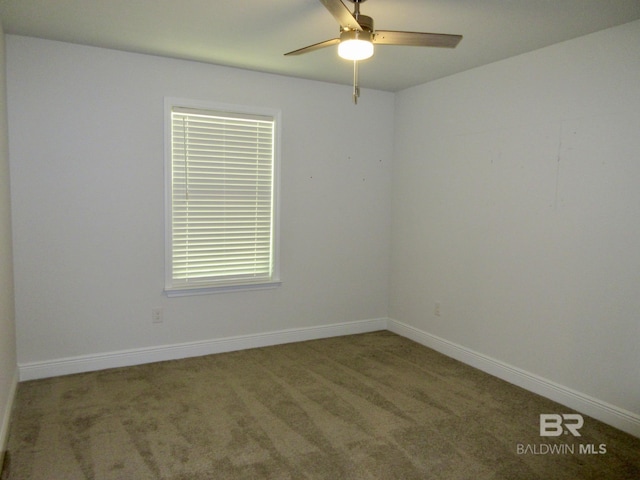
(558, 159)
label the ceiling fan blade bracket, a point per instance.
(342, 14)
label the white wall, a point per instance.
(516, 205)
(8, 367)
(86, 139)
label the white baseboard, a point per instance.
(125, 358)
(5, 420)
(605, 412)
(610, 414)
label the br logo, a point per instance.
(554, 425)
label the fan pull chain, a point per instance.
(356, 88)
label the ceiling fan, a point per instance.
(358, 36)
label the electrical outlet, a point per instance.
(436, 309)
(156, 315)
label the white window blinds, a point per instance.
(222, 198)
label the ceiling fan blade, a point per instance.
(315, 46)
(342, 14)
(418, 39)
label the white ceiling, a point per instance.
(254, 34)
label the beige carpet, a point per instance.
(372, 406)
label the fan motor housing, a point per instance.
(365, 22)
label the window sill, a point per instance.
(208, 290)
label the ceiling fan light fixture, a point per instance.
(355, 45)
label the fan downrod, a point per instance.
(364, 21)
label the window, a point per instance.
(221, 198)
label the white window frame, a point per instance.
(173, 289)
